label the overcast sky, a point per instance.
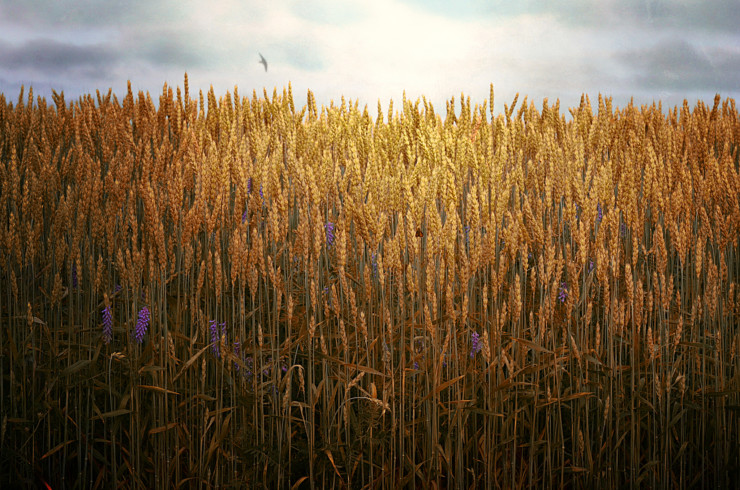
(374, 50)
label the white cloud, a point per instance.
(396, 47)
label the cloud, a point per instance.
(92, 13)
(51, 57)
(370, 51)
(683, 66)
(396, 47)
(323, 12)
(170, 47)
(681, 15)
(715, 16)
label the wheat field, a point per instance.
(235, 293)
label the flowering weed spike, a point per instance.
(329, 233)
(74, 275)
(214, 338)
(142, 324)
(264, 203)
(563, 294)
(475, 348)
(236, 354)
(107, 325)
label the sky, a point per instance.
(373, 51)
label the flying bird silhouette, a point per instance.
(263, 60)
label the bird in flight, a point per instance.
(263, 60)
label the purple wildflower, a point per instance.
(329, 233)
(416, 365)
(375, 265)
(563, 294)
(590, 265)
(267, 369)
(600, 214)
(264, 205)
(249, 186)
(214, 338)
(107, 325)
(74, 275)
(467, 235)
(476, 344)
(244, 215)
(236, 353)
(142, 324)
(117, 288)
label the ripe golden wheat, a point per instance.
(241, 293)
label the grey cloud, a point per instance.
(10, 89)
(93, 13)
(693, 15)
(709, 15)
(54, 57)
(683, 66)
(172, 51)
